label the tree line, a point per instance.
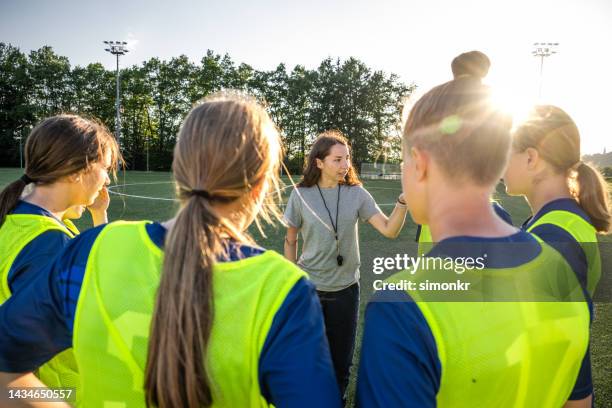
(347, 95)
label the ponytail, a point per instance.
(9, 197)
(176, 373)
(593, 196)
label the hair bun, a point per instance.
(472, 63)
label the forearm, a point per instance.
(99, 217)
(291, 250)
(392, 226)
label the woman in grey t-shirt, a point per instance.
(325, 208)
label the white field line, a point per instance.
(112, 188)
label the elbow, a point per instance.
(390, 234)
(394, 235)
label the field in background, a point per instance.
(149, 196)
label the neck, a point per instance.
(464, 212)
(548, 190)
(231, 213)
(325, 182)
(54, 198)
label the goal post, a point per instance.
(381, 171)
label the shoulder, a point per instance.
(301, 296)
(567, 206)
(51, 239)
(552, 233)
(297, 191)
(34, 257)
(23, 207)
(267, 266)
(272, 257)
(47, 243)
(357, 190)
(78, 249)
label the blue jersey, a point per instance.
(37, 253)
(499, 210)
(574, 254)
(400, 365)
(294, 368)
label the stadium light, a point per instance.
(20, 138)
(117, 48)
(543, 50)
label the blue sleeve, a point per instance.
(502, 213)
(33, 326)
(295, 368)
(36, 322)
(399, 364)
(34, 257)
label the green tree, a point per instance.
(17, 114)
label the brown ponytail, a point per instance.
(9, 197)
(593, 196)
(227, 146)
(58, 147)
(553, 133)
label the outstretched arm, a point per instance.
(390, 226)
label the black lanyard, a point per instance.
(339, 258)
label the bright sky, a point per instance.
(415, 39)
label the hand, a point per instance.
(99, 207)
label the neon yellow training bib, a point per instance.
(114, 313)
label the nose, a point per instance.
(106, 179)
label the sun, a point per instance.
(513, 102)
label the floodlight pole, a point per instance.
(117, 48)
(20, 138)
(543, 50)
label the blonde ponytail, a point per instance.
(593, 196)
(176, 374)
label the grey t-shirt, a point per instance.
(318, 257)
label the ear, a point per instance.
(319, 163)
(421, 162)
(533, 158)
(74, 177)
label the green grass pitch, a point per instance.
(150, 196)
